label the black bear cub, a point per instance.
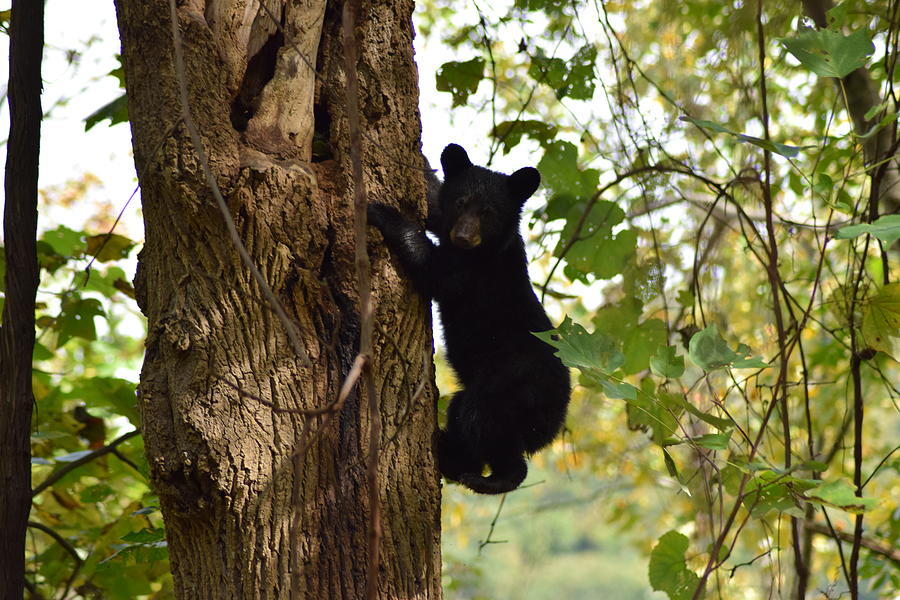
(514, 390)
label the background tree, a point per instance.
(19, 286)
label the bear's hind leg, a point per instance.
(507, 473)
(456, 456)
(458, 445)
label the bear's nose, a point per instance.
(466, 233)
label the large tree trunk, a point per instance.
(26, 45)
(260, 501)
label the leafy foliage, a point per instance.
(886, 229)
(693, 212)
(709, 351)
(828, 53)
(782, 149)
(668, 572)
(461, 79)
(116, 111)
(95, 531)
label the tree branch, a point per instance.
(879, 547)
(67, 547)
(364, 287)
(59, 474)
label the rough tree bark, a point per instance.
(261, 501)
(26, 45)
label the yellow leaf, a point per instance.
(881, 323)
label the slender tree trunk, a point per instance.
(259, 499)
(26, 45)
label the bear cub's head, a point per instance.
(481, 208)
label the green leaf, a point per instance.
(550, 71)
(881, 321)
(841, 494)
(116, 111)
(578, 348)
(41, 352)
(644, 280)
(685, 298)
(782, 149)
(96, 493)
(668, 570)
(512, 132)
(145, 536)
(109, 283)
(642, 341)
(837, 14)
(618, 390)
(770, 491)
(619, 319)
(592, 353)
(710, 351)
(713, 441)
(884, 122)
(750, 363)
(561, 175)
(76, 319)
(108, 247)
(666, 363)
(597, 250)
(886, 229)
(876, 108)
(776, 147)
(461, 79)
(65, 241)
(717, 422)
(813, 465)
(648, 410)
(147, 510)
(48, 258)
(711, 125)
(671, 468)
(119, 72)
(578, 82)
(828, 53)
(118, 395)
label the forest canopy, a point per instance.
(716, 237)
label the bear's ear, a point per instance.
(523, 183)
(454, 160)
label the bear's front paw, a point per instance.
(380, 215)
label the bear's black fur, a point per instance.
(514, 390)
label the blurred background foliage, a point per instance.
(685, 203)
(707, 440)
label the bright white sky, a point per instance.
(67, 153)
